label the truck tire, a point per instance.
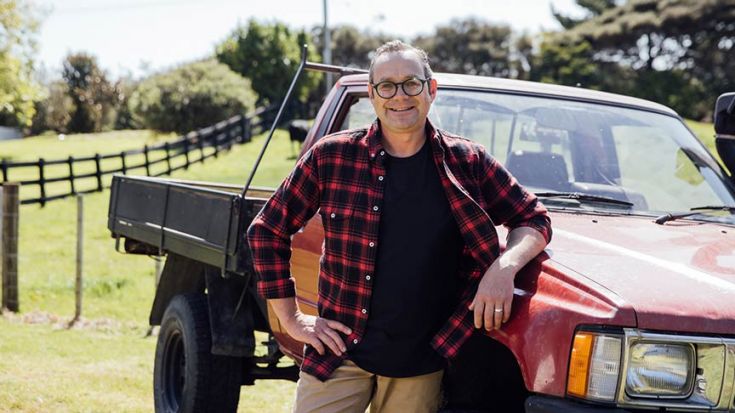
(187, 377)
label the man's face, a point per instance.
(401, 113)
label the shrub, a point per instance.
(95, 99)
(191, 97)
(53, 112)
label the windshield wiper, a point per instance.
(584, 197)
(693, 211)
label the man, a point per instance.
(411, 259)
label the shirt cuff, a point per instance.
(544, 229)
(282, 288)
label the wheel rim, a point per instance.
(174, 370)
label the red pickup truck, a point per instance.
(630, 308)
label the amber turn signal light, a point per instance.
(579, 364)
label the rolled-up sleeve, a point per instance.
(508, 202)
(269, 236)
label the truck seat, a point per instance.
(540, 170)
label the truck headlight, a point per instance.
(594, 366)
(659, 370)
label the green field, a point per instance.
(105, 365)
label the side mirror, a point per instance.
(725, 130)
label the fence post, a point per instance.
(42, 180)
(124, 164)
(241, 123)
(147, 161)
(247, 129)
(186, 152)
(215, 141)
(70, 162)
(200, 143)
(98, 171)
(229, 129)
(168, 157)
(79, 282)
(4, 168)
(9, 246)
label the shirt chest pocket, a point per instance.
(339, 226)
(336, 220)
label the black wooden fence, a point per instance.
(156, 160)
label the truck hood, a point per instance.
(677, 277)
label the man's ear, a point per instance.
(370, 91)
(432, 88)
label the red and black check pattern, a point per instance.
(343, 176)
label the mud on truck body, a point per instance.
(630, 308)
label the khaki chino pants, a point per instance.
(352, 389)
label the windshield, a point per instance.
(551, 145)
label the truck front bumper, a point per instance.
(542, 404)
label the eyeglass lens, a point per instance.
(411, 87)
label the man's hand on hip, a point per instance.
(318, 332)
(315, 331)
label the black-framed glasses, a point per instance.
(411, 87)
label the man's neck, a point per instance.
(403, 145)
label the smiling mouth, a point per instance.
(400, 109)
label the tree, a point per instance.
(593, 8)
(696, 38)
(190, 97)
(521, 58)
(93, 96)
(268, 55)
(565, 64)
(18, 91)
(469, 46)
(350, 47)
(54, 111)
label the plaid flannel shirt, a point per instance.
(343, 176)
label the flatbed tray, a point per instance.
(200, 220)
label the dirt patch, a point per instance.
(106, 325)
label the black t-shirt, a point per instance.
(414, 286)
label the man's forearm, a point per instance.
(524, 244)
(286, 309)
(494, 297)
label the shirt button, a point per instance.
(380, 178)
(364, 311)
(375, 208)
(333, 215)
(382, 153)
(372, 244)
(367, 277)
(355, 341)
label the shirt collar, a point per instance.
(375, 138)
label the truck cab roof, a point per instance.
(459, 81)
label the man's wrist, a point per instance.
(507, 265)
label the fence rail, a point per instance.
(155, 160)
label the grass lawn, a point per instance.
(706, 133)
(44, 369)
(104, 367)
